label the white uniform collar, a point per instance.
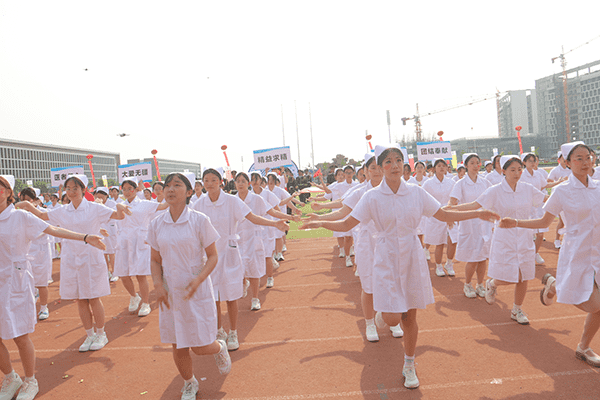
(385, 189)
(7, 211)
(82, 206)
(184, 217)
(506, 187)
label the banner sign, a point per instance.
(271, 158)
(429, 151)
(142, 171)
(58, 176)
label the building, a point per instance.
(484, 147)
(168, 166)
(583, 89)
(518, 108)
(33, 161)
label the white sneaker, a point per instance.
(42, 315)
(342, 253)
(449, 267)
(29, 389)
(134, 303)
(427, 254)
(246, 286)
(85, 346)
(221, 335)
(588, 356)
(480, 290)
(232, 341)
(557, 244)
(397, 331)
(222, 358)
(275, 263)
(547, 281)
(279, 257)
(410, 377)
(539, 259)
(284, 248)
(356, 272)
(469, 291)
(352, 251)
(100, 342)
(270, 282)
(439, 270)
(379, 322)
(490, 292)
(255, 305)
(10, 386)
(372, 335)
(190, 390)
(114, 278)
(144, 310)
(519, 316)
(349, 262)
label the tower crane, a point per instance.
(563, 64)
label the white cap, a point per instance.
(380, 149)
(191, 177)
(37, 191)
(115, 187)
(568, 147)
(277, 176)
(368, 156)
(525, 155)
(133, 179)
(486, 163)
(10, 179)
(334, 172)
(504, 159)
(41, 198)
(81, 177)
(219, 170)
(464, 156)
(460, 165)
(101, 189)
(349, 166)
(436, 159)
(559, 154)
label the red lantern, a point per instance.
(89, 156)
(156, 164)
(440, 133)
(224, 147)
(519, 127)
(154, 152)
(369, 137)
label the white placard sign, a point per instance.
(58, 176)
(272, 158)
(141, 171)
(429, 151)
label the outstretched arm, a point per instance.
(446, 215)
(27, 206)
(255, 219)
(93, 240)
(539, 223)
(338, 226)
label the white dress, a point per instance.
(579, 257)
(270, 233)
(193, 322)
(437, 232)
(338, 189)
(559, 172)
(365, 241)
(494, 177)
(538, 181)
(54, 240)
(413, 180)
(111, 227)
(40, 255)
(400, 273)
(474, 235)
(251, 243)
(225, 214)
(512, 250)
(132, 257)
(83, 272)
(18, 229)
(596, 173)
(281, 195)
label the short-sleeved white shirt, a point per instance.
(494, 177)
(559, 172)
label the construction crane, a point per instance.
(563, 64)
(417, 117)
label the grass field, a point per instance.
(295, 233)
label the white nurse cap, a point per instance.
(380, 149)
(219, 170)
(102, 189)
(81, 177)
(464, 156)
(37, 191)
(368, 156)
(568, 147)
(504, 159)
(10, 179)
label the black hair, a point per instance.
(132, 183)
(113, 188)
(243, 174)
(162, 185)
(496, 159)
(420, 162)
(339, 170)
(576, 147)
(370, 161)
(387, 152)
(29, 192)
(77, 181)
(148, 189)
(349, 166)
(182, 178)
(438, 161)
(101, 191)
(510, 161)
(466, 162)
(4, 182)
(528, 156)
(253, 174)
(428, 166)
(54, 195)
(263, 180)
(461, 166)
(64, 198)
(212, 171)
(274, 177)
(409, 168)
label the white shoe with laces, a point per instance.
(539, 259)
(397, 331)
(10, 386)
(134, 303)
(342, 253)
(480, 290)
(372, 335)
(246, 286)
(349, 262)
(352, 251)
(190, 390)
(255, 305)
(449, 267)
(469, 291)
(439, 270)
(29, 389)
(490, 292)
(221, 335)
(99, 343)
(284, 248)
(427, 254)
(519, 316)
(410, 377)
(222, 359)
(270, 282)
(87, 343)
(144, 310)
(42, 315)
(275, 263)
(232, 341)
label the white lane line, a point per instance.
(424, 387)
(312, 340)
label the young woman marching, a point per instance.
(461, 171)
(578, 268)
(226, 212)
(495, 177)
(197, 191)
(474, 235)
(83, 272)
(158, 190)
(17, 302)
(419, 179)
(285, 201)
(438, 233)
(132, 258)
(101, 195)
(365, 243)
(251, 242)
(40, 254)
(55, 242)
(512, 252)
(406, 174)
(559, 173)
(180, 238)
(114, 194)
(401, 281)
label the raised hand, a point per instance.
(96, 241)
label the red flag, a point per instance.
(318, 173)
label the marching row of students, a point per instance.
(195, 260)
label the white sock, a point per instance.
(191, 380)
(43, 307)
(30, 378)
(233, 332)
(11, 375)
(409, 361)
(516, 307)
(90, 332)
(100, 331)
(370, 322)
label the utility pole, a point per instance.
(312, 146)
(282, 126)
(297, 134)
